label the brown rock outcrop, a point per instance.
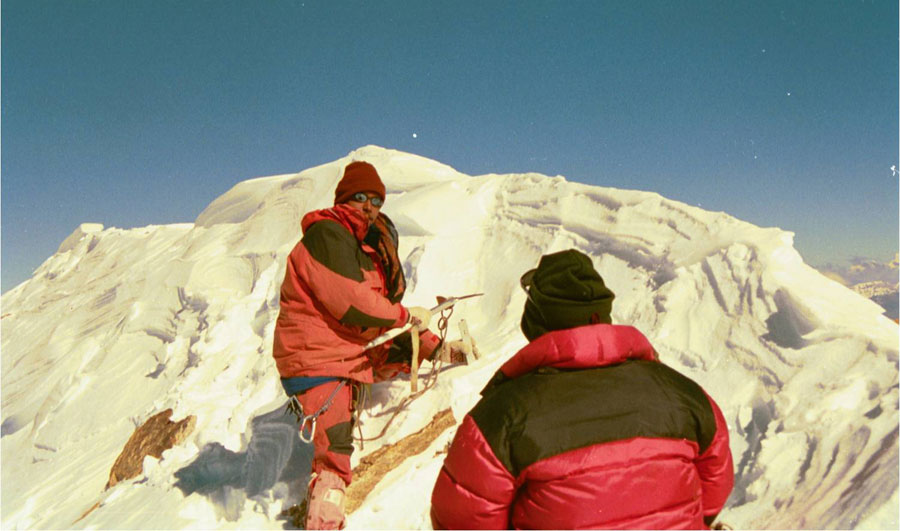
(154, 437)
(372, 468)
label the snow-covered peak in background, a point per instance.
(121, 324)
(258, 196)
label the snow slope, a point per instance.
(121, 324)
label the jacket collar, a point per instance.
(354, 220)
(583, 347)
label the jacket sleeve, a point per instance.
(473, 490)
(328, 262)
(716, 467)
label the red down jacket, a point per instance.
(334, 300)
(584, 428)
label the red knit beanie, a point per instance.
(358, 177)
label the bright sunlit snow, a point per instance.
(121, 324)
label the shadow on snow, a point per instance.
(274, 455)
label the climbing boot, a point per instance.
(325, 509)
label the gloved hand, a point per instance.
(419, 317)
(458, 352)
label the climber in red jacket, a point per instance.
(342, 288)
(584, 427)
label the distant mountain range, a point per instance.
(873, 279)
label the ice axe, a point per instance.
(443, 304)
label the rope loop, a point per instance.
(444, 322)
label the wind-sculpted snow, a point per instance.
(121, 324)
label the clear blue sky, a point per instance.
(138, 112)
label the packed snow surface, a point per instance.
(121, 324)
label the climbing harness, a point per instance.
(303, 421)
(307, 423)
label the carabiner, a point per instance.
(312, 428)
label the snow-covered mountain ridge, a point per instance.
(121, 324)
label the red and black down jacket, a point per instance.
(335, 299)
(584, 428)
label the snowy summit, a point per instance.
(120, 325)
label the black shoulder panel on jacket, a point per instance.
(333, 246)
(546, 413)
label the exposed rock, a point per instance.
(89, 511)
(154, 437)
(372, 468)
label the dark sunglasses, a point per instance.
(362, 198)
